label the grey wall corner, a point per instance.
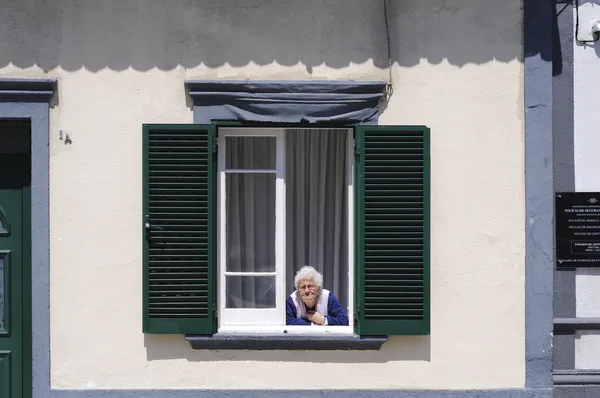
(539, 192)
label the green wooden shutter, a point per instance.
(179, 229)
(392, 230)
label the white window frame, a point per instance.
(259, 320)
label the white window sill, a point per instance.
(291, 330)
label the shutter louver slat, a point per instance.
(178, 248)
(394, 230)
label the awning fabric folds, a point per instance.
(286, 101)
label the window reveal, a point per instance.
(312, 169)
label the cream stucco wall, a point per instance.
(457, 67)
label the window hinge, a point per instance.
(356, 150)
(216, 316)
(215, 147)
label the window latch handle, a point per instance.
(149, 227)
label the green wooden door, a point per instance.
(14, 191)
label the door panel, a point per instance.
(5, 381)
(4, 292)
(13, 172)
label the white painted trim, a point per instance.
(251, 320)
(350, 187)
(237, 317)
(280, 227)
(252, 131)
(231, 273)
(221, 232)
(256, 317)
(316, 329)
(250, 171)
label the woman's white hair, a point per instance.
(308, 273)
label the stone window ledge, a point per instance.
(230, 341)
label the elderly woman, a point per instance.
(310, 304)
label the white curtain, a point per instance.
(317, 206)
(316, 213)
(250, 226)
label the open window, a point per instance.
(284, 198)
(231, 212)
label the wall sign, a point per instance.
(577, 229)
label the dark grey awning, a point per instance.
(286, 101)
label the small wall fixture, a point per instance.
(67, 138)
(594, 32)
(595, 29)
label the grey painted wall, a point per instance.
(539, 192)
(124, 34)
(564, 171)
(562, 101)
(564, 181)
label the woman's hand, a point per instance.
(315, 317)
